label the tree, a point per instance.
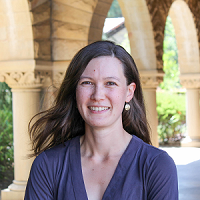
(6, 136)
(5, 96)
(115, 10)
(171, 116)
(170, 105)
(170, 58)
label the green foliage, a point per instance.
(5, 96)
(170, 58)
(171, 115)
(170, 106)
(6, 136)
(115, 10)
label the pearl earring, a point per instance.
(127, 106)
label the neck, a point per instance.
(103, 142)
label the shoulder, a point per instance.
(152, 156)
(147, 150)
(46, 171)
(48, 166)
(55, 155)
(159, 170)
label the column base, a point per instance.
(15, 191)
(188, 142)
(7, 194)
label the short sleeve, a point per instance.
(40, 182)
(162, 180)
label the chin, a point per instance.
(98, 125)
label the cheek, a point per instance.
(78, 96)
(119, 96)
(81, 95)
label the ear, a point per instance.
(130, 92)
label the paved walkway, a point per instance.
(187, 160)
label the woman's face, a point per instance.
(102, 92)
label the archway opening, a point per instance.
(114, 27)
(170, 94)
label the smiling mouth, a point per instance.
(98, 108)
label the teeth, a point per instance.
(98, 108)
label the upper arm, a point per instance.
(162, 179)
(40, 182)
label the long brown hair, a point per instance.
(63, 121)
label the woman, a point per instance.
(94, 143)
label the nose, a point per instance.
(98, 93)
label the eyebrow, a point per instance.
(113, 77)
(87, 77)
(110, 77)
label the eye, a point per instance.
(86, 83)
(110, 83)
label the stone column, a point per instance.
(25, 106)
(26, 87)
(192, 84)
(150, 80)
(150, 103)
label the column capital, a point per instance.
(150, 79)
(190, 81)
(59, 70)
(33, 79)
(58, 77)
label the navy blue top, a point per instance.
(143, 173)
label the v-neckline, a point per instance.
(77, 174)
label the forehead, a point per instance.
(104, 65)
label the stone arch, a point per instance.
(98, 19)
(194, 6)
(16, 30)
(186, 36)
(140, 31)
(16, 39)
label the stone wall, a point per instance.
(61, 27)
(41, 20)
